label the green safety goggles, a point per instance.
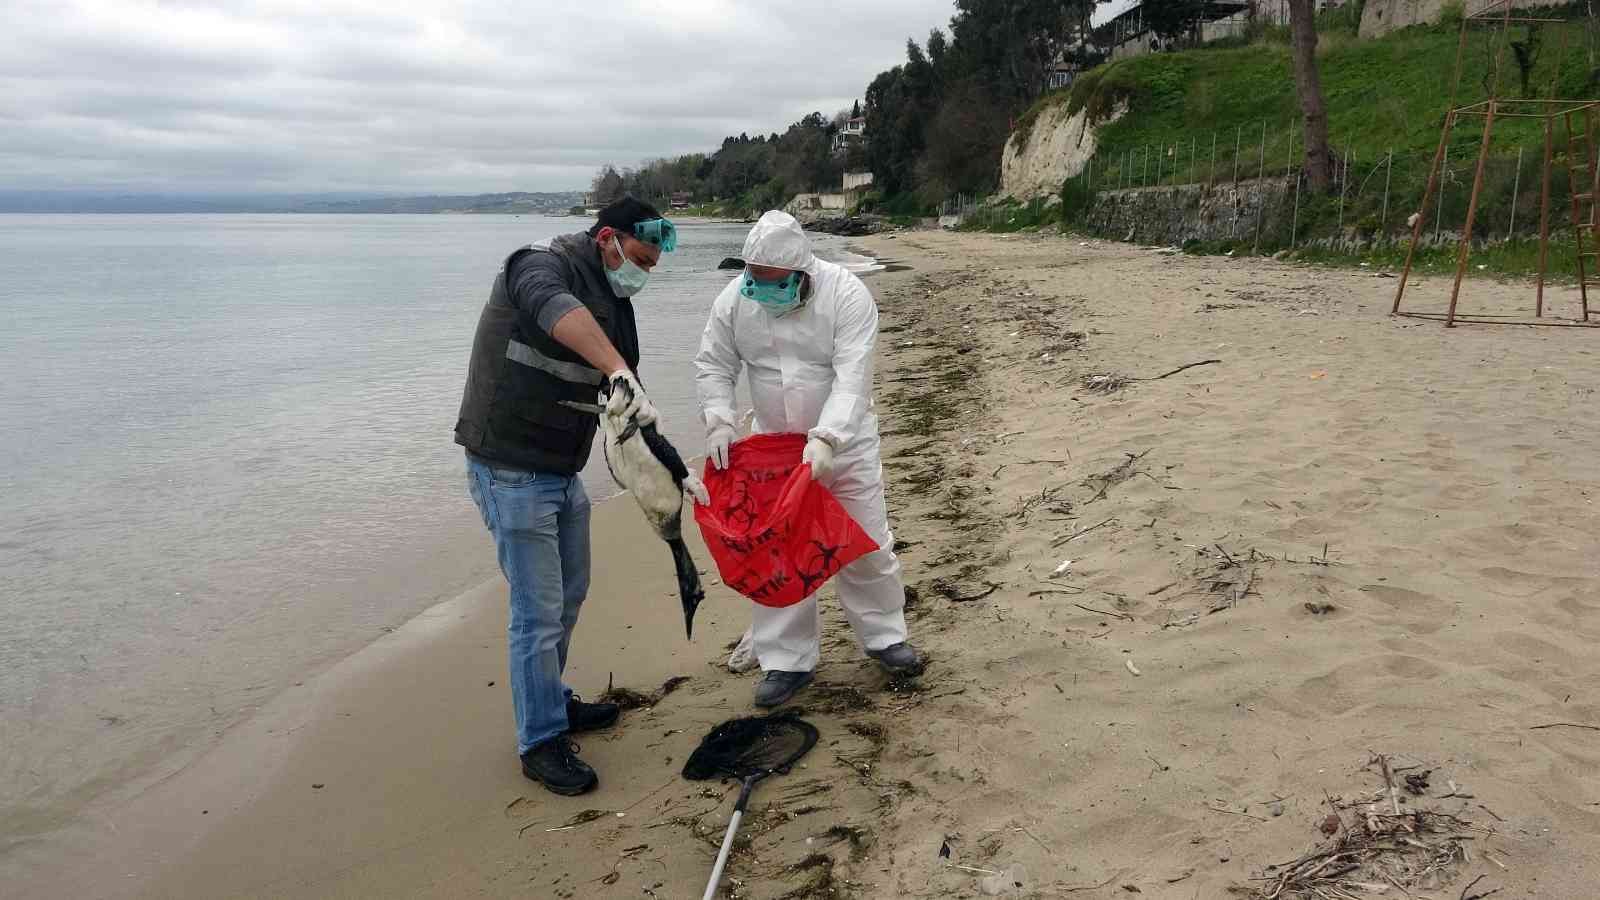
(658, 233)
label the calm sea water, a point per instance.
(226, 460)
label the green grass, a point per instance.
(1382, 95)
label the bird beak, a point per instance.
(592, 408)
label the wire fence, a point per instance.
(1248, 187)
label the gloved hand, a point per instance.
(718, 440)
(627, 399)
(695, 489)
(819, 456)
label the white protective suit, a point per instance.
(810, 371)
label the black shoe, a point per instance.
(555, 764)
(583, 716)
(776, 687)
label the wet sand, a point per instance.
(1352, 536)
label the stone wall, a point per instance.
(1173, 215)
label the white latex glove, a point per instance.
(628, 400)
(819, 456)
(718, 440)
(694, 489)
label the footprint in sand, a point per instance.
(1427, 611)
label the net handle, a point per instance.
(745, 787)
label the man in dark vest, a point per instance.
(558, 325)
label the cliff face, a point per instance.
(1057, 146)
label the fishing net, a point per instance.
(755, 746)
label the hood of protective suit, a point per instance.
(777, 240)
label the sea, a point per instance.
(226, 462)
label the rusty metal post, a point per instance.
(1422, 209)
(1544, 217)
(1472, 211)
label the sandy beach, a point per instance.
(1175, 625)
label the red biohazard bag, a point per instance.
(776, 534)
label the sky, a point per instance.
(296, 96)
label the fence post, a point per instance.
(1388, 174)
(1191, 158)
(1294, 224)
(1212, 180)
(1516, 186)
(1261, 197)
(1238, 130)
(1344, 182)
(1444, 178)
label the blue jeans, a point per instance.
(540, 523)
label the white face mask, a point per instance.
(628, 278)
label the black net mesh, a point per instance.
(739, 748)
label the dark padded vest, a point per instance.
(511, 410)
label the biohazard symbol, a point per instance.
(741, 509)
(817, 565)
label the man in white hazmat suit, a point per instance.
(804, 330)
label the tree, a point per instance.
(964, 141)
(1308, 82)
(855, 111)
(607, 185)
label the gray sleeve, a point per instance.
(539, 288)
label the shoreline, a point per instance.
(1353, 535)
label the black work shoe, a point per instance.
(900, 660)
(777, 687)
(583, 716)
(555, 764)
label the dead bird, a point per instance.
(646, 465)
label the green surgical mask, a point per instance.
(776, 297)
(629, 278)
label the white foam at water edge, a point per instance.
(855, 262)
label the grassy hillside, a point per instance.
(1187, 112)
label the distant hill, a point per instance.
(517, 202)
(545, 203)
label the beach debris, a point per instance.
(1078, 534)
(949, 591)
(1060, 570)
(1107, 384)
(1376, 848)
(1103, 612)
(583, 818)
(627, 698)
(1417, 785)
(1131, 667)
(1564, 725)
(1319, 608)
(318, 786)
(1012, 880)
(1116, 475)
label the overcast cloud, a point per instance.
(467, 96)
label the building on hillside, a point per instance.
(680, 199)
(853, 129)
(1062, 74)
(1120, 25)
